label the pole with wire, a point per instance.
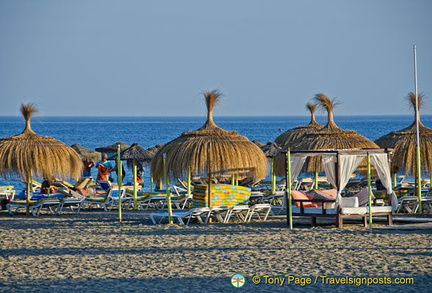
(418, 165)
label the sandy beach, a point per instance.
(93, 252)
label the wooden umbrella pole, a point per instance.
(369, 190)
(189, 180)
(288, 199)
(167, 189)
(273, 175)
(28, 191)
(134, 170)
(209, 171)
(119, 182)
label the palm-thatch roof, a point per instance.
(42, 156)
(404, 143)
(211, 149)
(271, 149)
(135, 153)
(288, 136)
(329, 137)
(29, 154)
(112, 148)
(258, 143)
(155, 148)
(86, 153)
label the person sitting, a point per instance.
(104, 167)
(47, 188)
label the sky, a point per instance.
(267, 58)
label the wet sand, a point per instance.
(93, 252)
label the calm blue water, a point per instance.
(93, 132)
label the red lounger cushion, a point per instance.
(301, 195)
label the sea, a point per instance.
(94, 132)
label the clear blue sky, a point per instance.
(153, 58)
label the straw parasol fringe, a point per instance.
(287, 137)
(227, 151)
(404, 143)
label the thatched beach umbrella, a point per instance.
(86, 153)
(155, 148)
(135, 153)
(211, 150)
(329, 137)
(29, 154)
(290, 135)
(112, 148)
(404, 144)
(258, 143)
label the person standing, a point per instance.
(87, 165)
(104, 168)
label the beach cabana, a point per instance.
(329, 137)
(288, 136)
(210, 151)
(29, 154)
(338, 166)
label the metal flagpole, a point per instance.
(417, 114)
(369, 190)
(288, 196)
(119, 182)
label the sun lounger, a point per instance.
(8, 192)
(36, 206)
(115, 197)
(99, 201)
(73, 204)
(238, 211)
(151, 200)
(259, 210)
(196, 213)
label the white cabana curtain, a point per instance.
(297, 163)
(329, 163)
(347, 165)
(381, 164)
